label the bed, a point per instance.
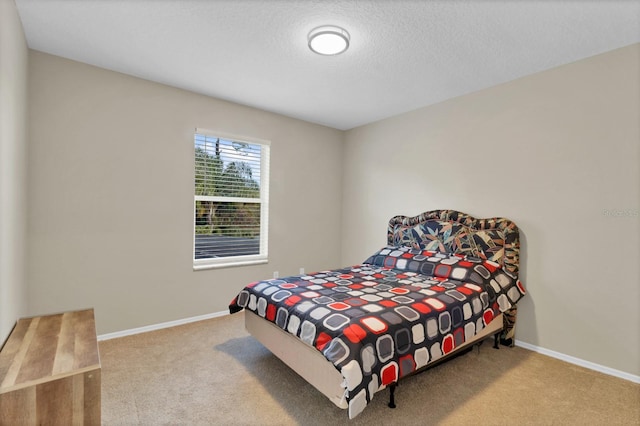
(445, 281)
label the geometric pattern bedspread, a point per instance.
(377, 322)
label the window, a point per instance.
(231, 200)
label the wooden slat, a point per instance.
(12, 346)
(54, 401)
(16, 408)
(86, 343)
(78, 400)
(92, 397)
(15, 358)
(65, 356)
(38, 361)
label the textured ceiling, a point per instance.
(403, 54)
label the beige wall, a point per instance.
(13, 148)
(552, 152)
(111, 196)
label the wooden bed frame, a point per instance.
(310, 364)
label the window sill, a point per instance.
(229, 264)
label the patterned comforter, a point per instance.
(395, 313)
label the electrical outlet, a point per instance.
(301, 271)
(275, 274)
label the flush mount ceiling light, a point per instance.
(328, 40)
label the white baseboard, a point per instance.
(580, 362)
(160, 326)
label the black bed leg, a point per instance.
(392, 401)
(496, 338)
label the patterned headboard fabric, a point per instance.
(449, 231)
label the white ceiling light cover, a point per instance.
(329, 40)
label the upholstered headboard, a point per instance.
(449, 231)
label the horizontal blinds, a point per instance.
(227, 168)
(229, 197)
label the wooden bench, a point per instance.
(50, 371)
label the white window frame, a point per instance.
(262, 256)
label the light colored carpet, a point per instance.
(214, 372)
